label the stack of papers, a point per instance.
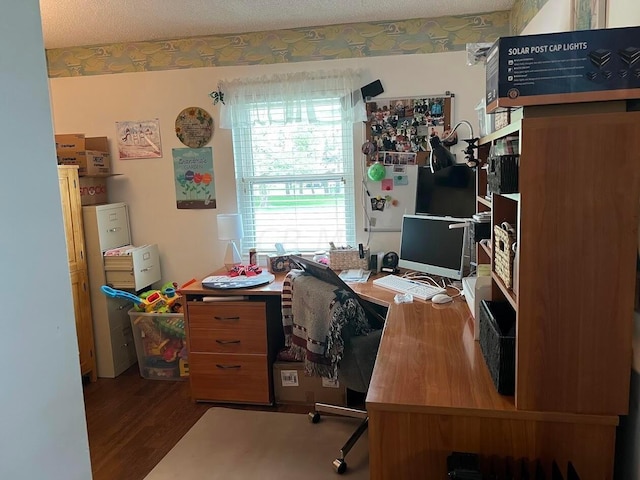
(357, 275)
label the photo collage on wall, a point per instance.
(400, 128)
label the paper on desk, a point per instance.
(347, 276)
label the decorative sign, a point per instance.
(194, 127)
(194, 179)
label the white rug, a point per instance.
(245, 444)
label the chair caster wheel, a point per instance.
(340, 466)
(314, 417)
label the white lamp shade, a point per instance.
(230, 226)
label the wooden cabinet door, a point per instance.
(72, 216)
(74, 234)
(82, 310)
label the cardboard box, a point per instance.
(292, 386)
(90, 162)
(93, 190)
(566, 67)
(77, 142)
(91, 154)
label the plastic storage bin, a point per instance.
(160, 345)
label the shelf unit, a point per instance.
(576, 218)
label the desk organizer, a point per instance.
(498, 343)
(502, 174)
(347, 258)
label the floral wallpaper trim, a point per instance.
(522, 13)
(422, 35)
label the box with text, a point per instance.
(567, 67)
(292, 386)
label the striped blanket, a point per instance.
(314, 315)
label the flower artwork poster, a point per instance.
(194, 178)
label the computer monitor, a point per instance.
(428, 245)
(449, 192)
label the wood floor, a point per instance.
(133, 422)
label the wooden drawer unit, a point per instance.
(231, 349)
(229, 328)
(229, 378)
(135, 271)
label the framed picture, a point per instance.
(589, 14)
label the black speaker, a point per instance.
(371, 90)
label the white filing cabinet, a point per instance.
(107, 227)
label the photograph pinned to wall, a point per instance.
(194, 127)
(398, 158)
(139, 139)
(404, 125)
(194, 178)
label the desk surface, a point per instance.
(428, 360)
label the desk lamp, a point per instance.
(440, 156)
(230, 229)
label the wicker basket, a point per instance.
(504, 238)
(347, 258)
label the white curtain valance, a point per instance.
(291, 98)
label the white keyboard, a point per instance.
(404, 285)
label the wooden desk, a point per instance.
(431, 394)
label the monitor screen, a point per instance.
(449, 192)
(428, 245)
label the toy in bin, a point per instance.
(160, 344)
(151, 301)
(159, 331)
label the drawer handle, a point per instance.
(147, 269)
(227, 367)
(114, 229)
(228, 342)
(233, 319)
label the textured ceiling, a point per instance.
(68, 23)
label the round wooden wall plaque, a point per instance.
(194, 127)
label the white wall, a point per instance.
(188, 238)
(554, 16)
(623, 13)
(43, 428)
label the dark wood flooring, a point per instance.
(134, 422)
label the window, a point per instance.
(294, 168)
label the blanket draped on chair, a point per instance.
(314, 314)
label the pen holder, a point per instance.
(348, 258)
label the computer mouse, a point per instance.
(441, 298)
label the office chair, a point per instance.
(354, 371)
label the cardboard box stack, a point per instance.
(92, 156)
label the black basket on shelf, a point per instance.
(502, 173)
(498, 343)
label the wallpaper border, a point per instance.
(352, 40)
